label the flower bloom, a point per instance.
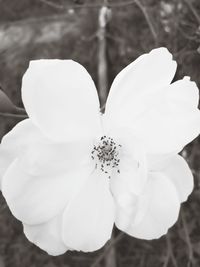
(69, 173)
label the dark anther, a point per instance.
(107, 154)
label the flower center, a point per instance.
(106, 154)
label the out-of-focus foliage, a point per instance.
(32, 29)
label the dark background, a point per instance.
(33, 29)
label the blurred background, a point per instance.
(33, 29)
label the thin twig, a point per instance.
(10, 115)
(20, 110)
(166, 262)
(17, 112)
(170, 250)
(108, 247)
(46, 18)
(148, 20)
(89, 38)
(102, 109)
(62, 16)
(193, 10)
(52, 4)
(188, 241)
(88, 5)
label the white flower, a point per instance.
(69, 173)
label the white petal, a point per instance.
(155, 211)
(156, 161)
(177, 170)
(169, 123)
(165, 117)
(144, 76)
(40, 156)
(61, 99)
(185, 91)
(47, 236)
(36, 199)
(88, 220)
(13, 143)
(132, 174)
(55, 158)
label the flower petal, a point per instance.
(54, 158)
(171, 122)
(40, 156)
(144, 76)
(47, 236)
(88, 220)
(13, 143)
(132, 174)
(185, 91)
(153, 212)
(37, 199)
(61, 99)
(165, 117)
(177, 170)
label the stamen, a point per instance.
(106, 154)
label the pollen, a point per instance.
(106, 153)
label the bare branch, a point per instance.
(166, 262)
(108, 247)
(88, 5)
(188, 241)
(10, 115)
(148, 20)
(170, 251)
(193, 10)
(52, 4)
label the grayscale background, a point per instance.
(33, 29)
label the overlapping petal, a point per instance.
(150, 214)
(47, 236)
(14, 143)
(88, 220)
(37, 199)
(184, 91)
(133, 84)
(177, 170)
(45, 159)
(165, 117)
(132, 174)
(153, 212)
(172, 121)
(61, 99)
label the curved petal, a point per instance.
(184, 91)
(39, 156)
(61, 99)
(55, 158)
(13, 143)
(47, 236)
(153, 212)
(37, 199)
(171, 122)
(165, 117)
(156, 161)
(88, 220)
(177, 170)
(132, 174)
(146, 75)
